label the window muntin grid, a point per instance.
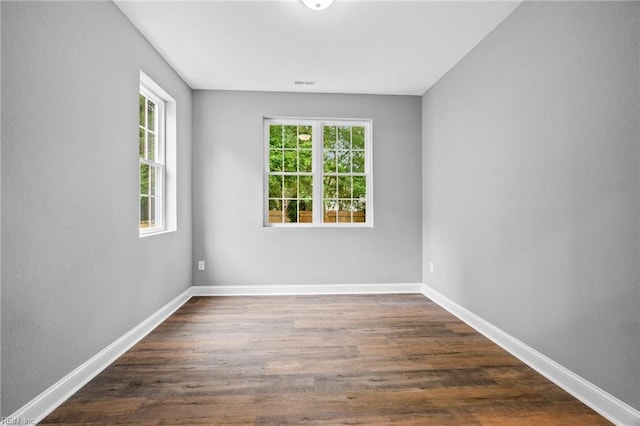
(151, 159)
(290, 173)
(318, 172)
(344, 176)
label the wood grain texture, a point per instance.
(321, 360)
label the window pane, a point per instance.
(344, 137)
(329, 162)
(305, 211)
(359, 211)
(290, 136)
(151, 151)
(344, 161)
(152, 211)
(290, 161)
(275, 186)
(275, 136)
(330, 213)
(144, 212)
(276, 158)
(358, 137)
(359, 187)
(275, 211)
(153, 180)
(142, 102)
(291, 211)
(330, 185)
(291, 186)
(144, 179)
(151, 115)
(304, 137)
(151, 146)
(295, 172)
(306, 187)
(358, 161)
(344, 211)
(329, 137)
(305, 157)
(344, 186)
(141, 143)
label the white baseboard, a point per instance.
(591, 395)
(306, 289)
(39, 407)
(608, 406)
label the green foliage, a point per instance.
(276, 160)
(144, 209)
(357, 137)
(358, 161)
(141, 143)
(359, 187)
(142, 109)
(344, 161)
(305, 158)
(344, 186)
(290, 161)
(306, 187)
(292, 211)
(275, 136)
(275, 205)
(290, 186)
(144, 179)
(151, 115)
(290, 166)
(330, 133)
(330, 186)
(329, 161)
(151, 147)
(291, 137)
(344, 138)
(275, 186)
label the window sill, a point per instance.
(158, 232)
(321, 226)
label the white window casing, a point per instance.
(329, 209)
(162, 201)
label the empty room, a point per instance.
(326, 212)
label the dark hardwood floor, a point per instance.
(328, 360)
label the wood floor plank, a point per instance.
(319, 360)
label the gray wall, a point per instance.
(75, 274)
(530, 148)
(228, 194)
(0, 217)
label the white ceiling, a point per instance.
(381, 47)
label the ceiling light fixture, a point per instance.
(317, 4)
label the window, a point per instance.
(152, 171)
(318, 172)
(156, 149)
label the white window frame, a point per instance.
(318, 170)
(165, 144)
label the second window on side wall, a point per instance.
(318, 172)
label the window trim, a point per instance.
(166, 141)
(317, 169)
(158, 163)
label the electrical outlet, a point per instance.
(430, 266)
(200, 265)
